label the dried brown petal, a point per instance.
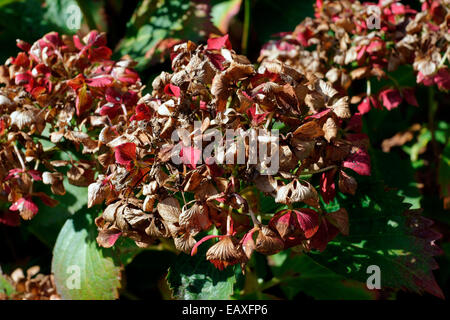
(268, 241)
(169, 209)
(295, 191)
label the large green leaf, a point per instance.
(65, 14)
(49, 220)
(223, 11)
(76, 253)
(195, 278)
(5, 286)
(385, 234)
(6, 2)
(303, 274)
(398, 173)
(158, 20)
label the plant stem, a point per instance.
(87, 14)
(432, 109)
(246, 27)
(22, 163)
(317, 171)
(368, 88)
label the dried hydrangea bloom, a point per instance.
(171, 188)
(348, 40)
(60, 94)
(32, 286)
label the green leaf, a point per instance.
(20, 20)
(5, 286)
(303, 274)
(76, 253)
(398, 174)
(419, 147)
(59, 12)
(6, 2)
(442, 132)
(223, 11)
(155, 21)
(127, 250)
(49, 221)
(380, 234)
(195, 278)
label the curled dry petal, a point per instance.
(341, 108)
(169, 209)
(330, 129)
(268, 241)
(195, 218)
(185, 242)
(347, 184)
(295, 191)
(55, 179)
(97, 192)
(224, 253)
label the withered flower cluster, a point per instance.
(150, 196)
(60, 97)
(32, 286)
(348, 40)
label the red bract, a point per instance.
(364, 106)
(219, 43)
(36, 175)
(293, 224)
(100, 81)
(23, 45)
(108, 239)
(304, 36)
(118, 102)
(94, 46)
(410, 97)
(25, 206)
(2, 127)
(442, 79)
(142, 112)
(172, 90)
(9, 218)
(391, 98)
(325, 233)
(308, 221)
(327, 186)
(125, 154)
(367, 104)
(255, 117)
(355, 123)
(190, 156)
(358, 161)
